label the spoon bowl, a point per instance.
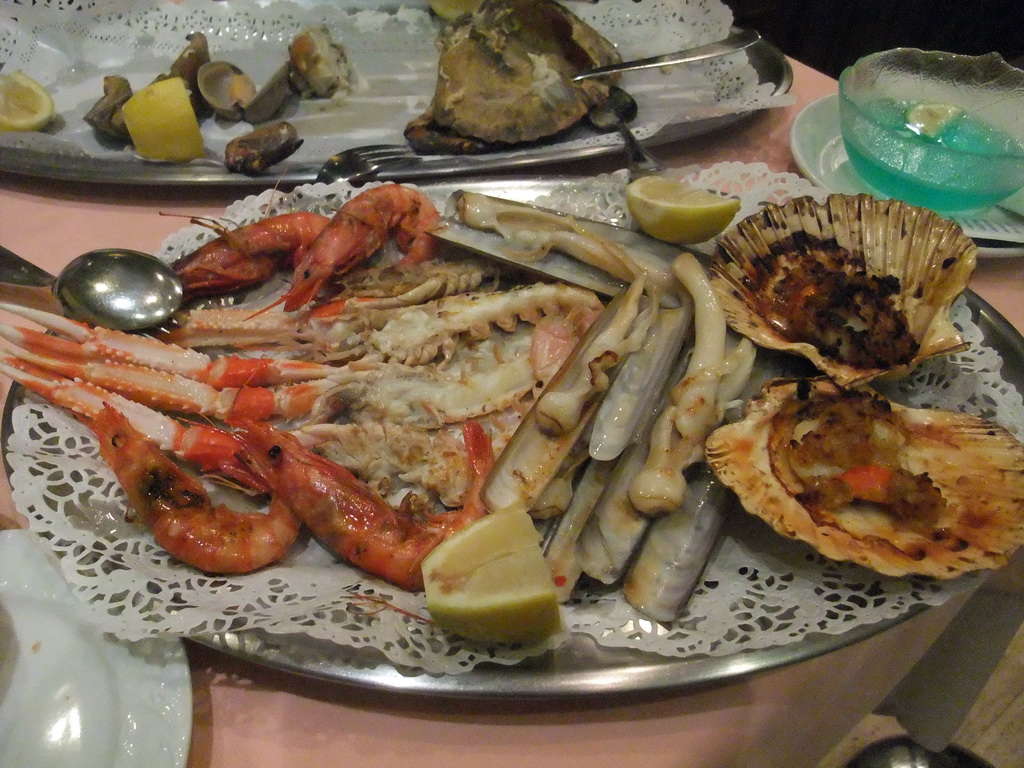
(615, 114)
(113, 287)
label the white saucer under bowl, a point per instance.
(817, 146)
(71, 694)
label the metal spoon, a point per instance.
(614, 114)
(113, 287)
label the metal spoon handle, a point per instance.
(25, 284)
(14, 269)
(737, 41)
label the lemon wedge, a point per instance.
(162, 123)
(452, 9)
(931, 119)
(24, 104)
(672, 211)
(490, 582)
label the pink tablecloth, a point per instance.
(246, 715)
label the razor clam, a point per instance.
(676, 549)
(677, 545)
(560, 545)
(560, 415)
(614, 528)
(530, 232)
(677, 439)
(639, 382)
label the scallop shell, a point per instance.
(977, 467)
(889, 269)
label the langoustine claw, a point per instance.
(177, 509)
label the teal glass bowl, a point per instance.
(938, 130)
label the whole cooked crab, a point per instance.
(505, 76)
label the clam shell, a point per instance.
(226, 88)
(977, 467)
(909, 263)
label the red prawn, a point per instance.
(348, 516)
(359, 228)
(249, 255)
(178, 510)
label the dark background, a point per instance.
(829, 35)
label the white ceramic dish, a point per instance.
(71, 695)
(818, 150)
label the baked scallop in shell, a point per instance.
(861, 287)
(858, 477)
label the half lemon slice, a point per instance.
(490, 582)
(677, 213)
(25, 105)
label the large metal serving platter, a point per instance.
(767, 60)
(581, 667)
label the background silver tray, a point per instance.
(770, 64)
(580, 667)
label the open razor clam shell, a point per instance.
(561, 536)
(535, 452)
(518, 233)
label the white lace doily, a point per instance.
(758, 591)
(390, 45)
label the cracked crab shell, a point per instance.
(861, 287)
(505, 72)
(977, 467)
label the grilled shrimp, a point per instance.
(249, 255)
(178, 510)
(358, 229)
(349, 517)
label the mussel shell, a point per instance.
(918, 260)
(977, 466)
(254, 152)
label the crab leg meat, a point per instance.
(169, 391)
